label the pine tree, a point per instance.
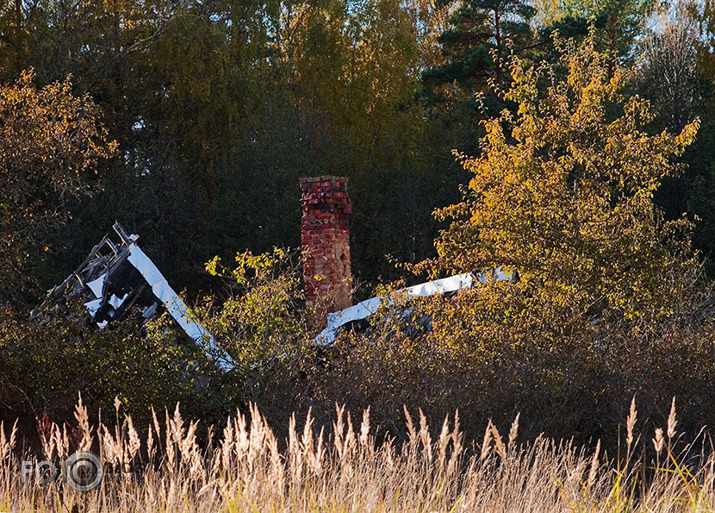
(478, 38)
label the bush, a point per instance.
(488, 364)
(44, 364)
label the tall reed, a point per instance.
(346, 468)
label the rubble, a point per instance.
(117, 276)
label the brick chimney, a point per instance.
(325, 238)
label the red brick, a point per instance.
(325, 239)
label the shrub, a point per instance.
(44, 364)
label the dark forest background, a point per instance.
(218, 107)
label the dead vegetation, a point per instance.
(246, 468)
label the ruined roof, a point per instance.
(370, 306)
(116, 276)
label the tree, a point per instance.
(676, 75)
(618, 24)
(220, 125)
(476, 41)
(562, 196)
(50, 141)
(669, 76)
(602, 284)
(478, 37)
(429, 20)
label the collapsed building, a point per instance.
(117, 276)
(325, 239)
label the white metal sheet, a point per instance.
(174, 305)
(96, 286)
(368, 307)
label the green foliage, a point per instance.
(492, 363)
(44, 365)
(619, 23)
(477, 40)
(263, 319)
(221, 125)
(677, 76)
(215, 129)
(605, 297)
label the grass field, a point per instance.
(345, 469)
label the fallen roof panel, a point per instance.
(115, 277)
(370, 306)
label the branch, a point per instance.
(136, 46)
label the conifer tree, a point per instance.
(480, 31)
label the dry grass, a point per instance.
(347, 469)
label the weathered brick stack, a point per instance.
(325, 237)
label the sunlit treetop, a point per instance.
(562, 192)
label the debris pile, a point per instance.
(117, 276)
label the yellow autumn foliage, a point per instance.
(50, 141)
(562, 195)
